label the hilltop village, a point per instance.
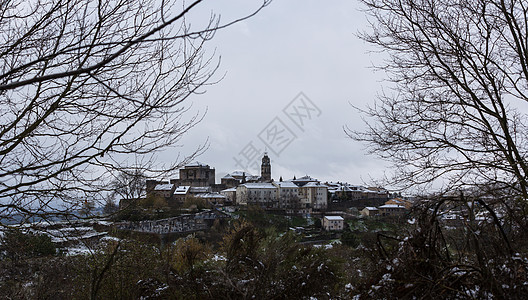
(304, 196)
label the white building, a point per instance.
(288, 194)
(315, 195)
(230, 194)
(290, 200)
(333, 223)
(263, 194)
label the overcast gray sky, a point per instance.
(291, 47)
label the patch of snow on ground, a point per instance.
(79, 249)
(82, 237)
(110, 238)
(217, 257)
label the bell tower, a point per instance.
(265, 169)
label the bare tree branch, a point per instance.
(90, 89)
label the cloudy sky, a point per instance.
(291, 75)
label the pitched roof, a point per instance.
(315, 184)
(305, 178)
(344, 188)
(286, 184)
(228, 176)
(370, 208)
(240, 173)
(334, 218)
(164, 187)
(392, 206)
(259, 185)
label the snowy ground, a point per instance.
(72, 238)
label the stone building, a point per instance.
(369, 211)
(180, 193)
(265, 169)
(229, 181)
(165, 190)
(392, 210)
(197, 174)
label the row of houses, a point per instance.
(176, 195)
(294, 197)
(300, 196)
(392, 208)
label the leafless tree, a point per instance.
(456, 114)
(92, 87)
(456, 109)
(129, 185)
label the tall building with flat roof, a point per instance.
(197, 174)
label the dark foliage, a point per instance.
(16, 244)
(435, 261)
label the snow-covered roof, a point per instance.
(181, 190)
(233, 189)
(240, 173)
(343, 188)
(315, 184)
(371, 208)
(210, 195)
(228, 176)
(305, 178)
(286, 184)
(259, 185)
(197, 164)
(367, 191)
(200, 189)
(334, 218)
(392, 206)
(164, 187)
(355, 187)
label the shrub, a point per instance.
(17, 244)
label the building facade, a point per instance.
(333, 223)
(197, 174)
(316, 194)
(288, 195)
(392, 210)
(261, 194)
(265, 169)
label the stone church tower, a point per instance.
(265, 169)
